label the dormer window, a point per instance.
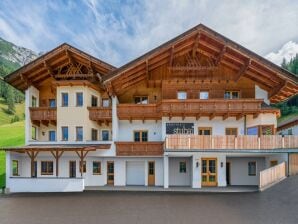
(181, 95)
(141, 99)
(231, 94)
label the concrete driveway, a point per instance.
(276, 205)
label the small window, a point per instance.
(182, 95)
(96, 168)
(79, 133)
(52, 136)
(290, 131)
(94, 134)
(33, 133)
(64, 133)
(204, 95)
(231, 95)
(105, 102)
(79, 97)
(34, 101)
(141, 99)
(267, 130)
(64, 97)
(252, 168)
(105, 135)
(273, 163)
(84, 166)
(231, 131)
(94, 101)
(182, 167)
(141, 136)
(15, 168)
(46, 167)
(52, 103)
(205, 131)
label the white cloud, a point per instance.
(287, 51)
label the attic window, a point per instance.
(181, 95)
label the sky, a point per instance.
(119, 31)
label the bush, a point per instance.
(15, 119)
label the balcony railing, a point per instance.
(43, 113)
(100, 113)
(250, 142)
(139, 148)
(192, 107)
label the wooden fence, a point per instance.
(272, 175)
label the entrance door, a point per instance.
(209, 174)
(228, 173)
(151, 173)
(72, 169)
(35, 169)
(110, 172)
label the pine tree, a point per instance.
(10, 101)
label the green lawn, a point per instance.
(5, 118)
(10, 135)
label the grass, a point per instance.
(6, 118)
(10, 135)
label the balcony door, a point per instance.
(209, 172)
(110, 172)
(205, 131)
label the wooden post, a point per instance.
(32, 155)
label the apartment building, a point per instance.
(193, 112)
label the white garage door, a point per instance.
(135, 173)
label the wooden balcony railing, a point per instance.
(251, 142)
(193, 107)
(138, 112)
(139, 148)
(43, 113)
(272, 175)
(100, 114)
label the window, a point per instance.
(84, 166)
(46, 167)
(34, 101)
(252, 168)
(52, 103)
(141, 136)
(231, 95)
(79, 97)
(96, 168)
(79, 133)
(94, 101)
(273, 163)
(232, 131)
(64, 97)
(105, 135)
(15, 168)
(205, 131)
(261, 130)
(94, 134)
(252, 131)
(64, 133)
(52, 136)
(204, 95)
(141, 99)
(182, 167)
(290, 131)
(181, 95)
(267, 130)
(105, 102)
(33, 133)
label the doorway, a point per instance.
(209, 172)
(151, 173)
(228, 173)
(72, 169)
(110, 172)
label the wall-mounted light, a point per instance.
(197, 164)
(43, 133)
(221, 164)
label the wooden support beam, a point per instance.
(220, 56)
(32, 155)
(48, 68)
(225, 116)
(238, 117)
(196, 45)
(242, 70)
(277, 89)
(70, 58)
(26, 80)
(212, 116)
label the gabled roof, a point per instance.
(41, 68)
(280, 83)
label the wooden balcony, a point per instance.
(138, 112)
(139, 148)
(100, 114)
(230, 142)
(43, 115)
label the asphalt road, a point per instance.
(276, 205)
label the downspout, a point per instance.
(288, 164)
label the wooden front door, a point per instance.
(151, 173)
(72, 169)
(209, 172)
(110, 172)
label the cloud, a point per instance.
(287, 51)
(118, 32)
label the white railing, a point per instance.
(272, 175)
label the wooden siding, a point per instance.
(139, 148)
(293, 164)
(272, 175)
(193, 142)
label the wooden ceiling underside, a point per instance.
(44, 67)
(202, 41)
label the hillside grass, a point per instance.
(6, 118)
(10, 135)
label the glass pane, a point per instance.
(211, 178)
(52, 103)
(79, 99)
(52, 136)
(144, 136)
(227, 95)
(105, 102)
(204, 178)
(204, 95)
(252, 131)
(204, 166)
(64, 99)
(182, 95)
(137, 136)
(212, 166)
(64, 133)
(94, 101)
(105, 135)
(34, 104)
(110, 177)
(79, 134)
(235, 95)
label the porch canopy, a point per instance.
(57, 151)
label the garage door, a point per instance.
(135, 173)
